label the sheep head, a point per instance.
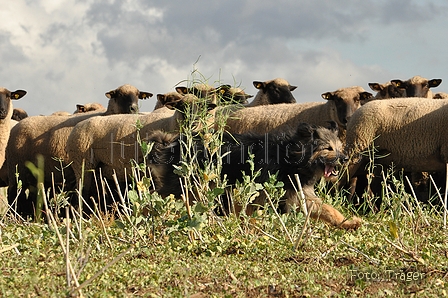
(162, 99)
(231, 95)
(417, 86)
(5, 101)
(199, 90)
(124, 100)
(274, 91)
(386, 90)
(88, 107)
(346, 101)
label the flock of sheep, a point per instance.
(404, 119)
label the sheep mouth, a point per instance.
(330, 171)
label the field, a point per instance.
(162, 247)
(171, 254)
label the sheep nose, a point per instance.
(134, 109)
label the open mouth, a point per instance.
(330, 171)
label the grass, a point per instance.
(230, 258)
(162, 247)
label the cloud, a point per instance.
(73, 51)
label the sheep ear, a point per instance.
(434, 83)
(18, 94)
(327, 95)
(144, 95)
(110, 94)
(365, 95)
(292, 88)
(376, 87)
(259, 85)
(182, 90)
(397, 83)
(80, 108)
(161, 98)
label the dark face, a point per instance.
(277, 93)
(346, 103)
(416, 87)
(5, 101)
(124, 100)
(229, 95)
(5, 104)
(126, 103)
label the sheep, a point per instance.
(82, 108)
(385, 91)
(19, 114)
(47, 136)
(440, 95)
(273, 92)
(200, 90)
(283, 118)
(270, 92)
(6, 123)
(89, 107)
(110, 142)
(60, 113)
(408, 132)
(233, 95)
(6, 111)
(417, 86)
(167, 97)
(312, 152)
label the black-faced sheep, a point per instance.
(417, 86)
(232, 95)
(200, 90)
(275, 91)
(312, 152)
(89, 107)
(6, 111)
(440, 95)
(406, 131)
(6, 123)
(47, 136)
(226, 94)
(284, 118)
(385, 91)
(110, 143)
(19, 114)
(164, 98)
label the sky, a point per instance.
(68, 52)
